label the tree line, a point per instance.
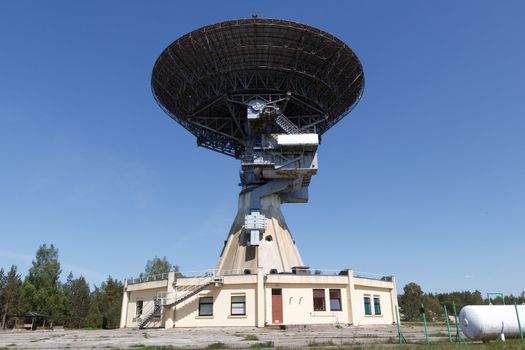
(413, 296)
(72, 304)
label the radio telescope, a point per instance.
(262, 91)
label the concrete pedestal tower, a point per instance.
(275, 252)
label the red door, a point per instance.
(277, 306)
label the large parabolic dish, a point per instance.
(202, 79)
(262, 91)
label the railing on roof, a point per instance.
(373, 276)
(297, 271)
(339, 272)
(212, 272)
(147, 278)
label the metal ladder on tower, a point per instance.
(286, 124)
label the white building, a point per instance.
(258, 300)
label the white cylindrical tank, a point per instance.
(488, 322)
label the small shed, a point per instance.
(31, 320)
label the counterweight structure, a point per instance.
(262, 91)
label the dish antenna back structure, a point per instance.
(262, 91)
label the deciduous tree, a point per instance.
(158, 266)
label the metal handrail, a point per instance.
(147, 278)
(221, 273)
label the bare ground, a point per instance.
(235, 337)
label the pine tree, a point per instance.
(10, 295)
(105, 305)
(112, 290)
(41, 290)
(3, 280)
(94, 317)
(77, 306)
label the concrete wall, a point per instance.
(307, 279)
(147, 296)
(388, 299)
(298, 306)
(297, 301)
(187, 313)
(148, 285)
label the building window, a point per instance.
(377, 306)
(368, 308)
(156, 307)
(238, 305)
(335, 300)
(140, 307)
(319, 300)
(206, 306)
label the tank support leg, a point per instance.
(519, 322)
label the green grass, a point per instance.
(144, 347)
(146, 335)
(438, 334)
(368, 336)
(420, 324)
(267, 344)
(36, 340)
(498, 345)
(250, 337)
(493, 345)
(316, 344)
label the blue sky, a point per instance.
(425, 179)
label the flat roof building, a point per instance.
(258, 300)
